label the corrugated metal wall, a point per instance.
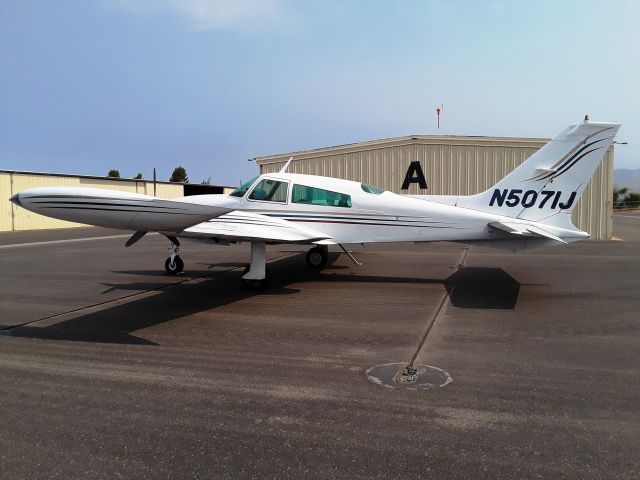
(6, 210)
(13, 217)
(451, 165)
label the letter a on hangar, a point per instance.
(414, 175)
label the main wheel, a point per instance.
(256, 285)
(317, 258)
(175, 267)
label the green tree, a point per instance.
(617, 193)
(138, 177)
(632, 197)
(624, 198)
(179, 175)
(113, 173)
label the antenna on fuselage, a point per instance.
(286, 165)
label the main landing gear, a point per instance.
(174, 264)
(317, 257)
(256, 275)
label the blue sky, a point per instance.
(86, 86)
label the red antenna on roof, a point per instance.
(439, 110)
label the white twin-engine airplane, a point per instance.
(530, 207)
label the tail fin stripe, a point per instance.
(571, 160)
(557, 174)
(554, 169)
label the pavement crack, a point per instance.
(443, 300)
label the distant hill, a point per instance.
(627, 177)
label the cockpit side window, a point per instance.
(242, 189)
(268, 190)
(371, 189)
(320, 197)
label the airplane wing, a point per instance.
(525, 230)
(117, 209)
(246, 226)
(205, 216)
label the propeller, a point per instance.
(134, 238)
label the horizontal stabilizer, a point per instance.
(525, 230)
(515, 228)
(544, 233)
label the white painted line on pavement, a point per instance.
(70, 240)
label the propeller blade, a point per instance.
(134, 238)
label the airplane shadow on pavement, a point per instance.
(470, 287)
(482, 288)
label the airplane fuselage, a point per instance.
(368, 217)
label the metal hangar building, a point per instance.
(446, 165)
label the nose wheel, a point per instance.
(317, 257)
(174, 264)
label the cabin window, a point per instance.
(317, 196)
(270, 191)
(371, 189)
(242, 189)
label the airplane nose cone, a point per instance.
(16, 199)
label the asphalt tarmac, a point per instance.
(110, 368)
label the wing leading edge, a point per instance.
(117, 209)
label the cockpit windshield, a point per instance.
(371, 189)
(242, 189)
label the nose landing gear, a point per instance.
(174, 267)
(174, 264)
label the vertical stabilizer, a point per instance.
(550, 182)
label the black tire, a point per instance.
(317, 258)
(174, 268)
(256, 285)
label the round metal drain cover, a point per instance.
(398, 375)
